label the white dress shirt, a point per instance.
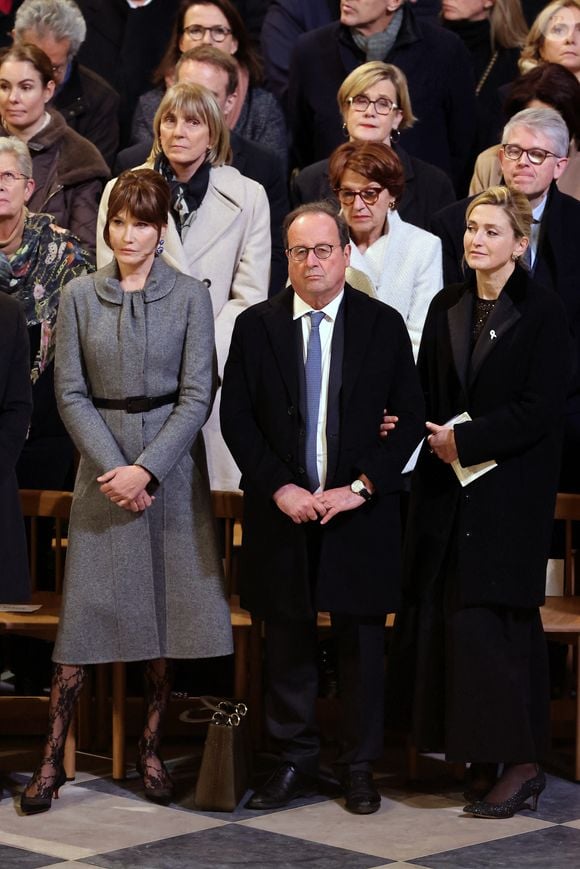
(326, 329)
(537, 215)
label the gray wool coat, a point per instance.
(144, 585)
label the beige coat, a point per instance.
(228, 248)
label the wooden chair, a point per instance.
(561, 615)
(43, 623)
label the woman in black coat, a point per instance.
(469, 639)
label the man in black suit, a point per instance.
(217, 71)
(86, 101)
(307, 378)
(533, 156)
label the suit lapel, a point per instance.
(282, 331)
(459, 319)
(501, 319)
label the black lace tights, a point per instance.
(67, 682)
(158, 682)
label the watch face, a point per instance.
(357, 486)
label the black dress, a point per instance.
(467, 671)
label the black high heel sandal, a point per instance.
(528, 790)
(43, 801)
(156, 790)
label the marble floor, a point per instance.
(98, 822)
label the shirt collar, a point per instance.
(538, 211)
(330, 311)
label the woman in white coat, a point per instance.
(218, 229)
(402, 261)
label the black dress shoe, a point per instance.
(362, 797)
(284, 785)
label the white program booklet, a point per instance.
(473, 472)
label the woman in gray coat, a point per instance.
(135, 381)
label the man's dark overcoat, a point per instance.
(15, 410)
(514, 387)
(263, 425)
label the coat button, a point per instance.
(206, 282)
(301, 470)
(467, 497)
(468, 533)
(288, 457)
(291, 410)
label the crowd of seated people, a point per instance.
(393, 113)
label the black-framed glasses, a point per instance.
(534, 155)
(369, 196)
(382, 105)
(9, 179)
(299, 253)
(217, 33)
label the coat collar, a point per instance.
(159, 283)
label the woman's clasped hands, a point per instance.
(126, 486)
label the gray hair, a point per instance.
(18, 149)
(61, 19)
(548, 122)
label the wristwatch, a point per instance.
(359, 488)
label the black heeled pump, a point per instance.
(528, 790)
(43, 802)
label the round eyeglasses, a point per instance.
(382, 105)
(9, 179)
(534, 155)
(196, 32)
(299, 253)
(369, 196)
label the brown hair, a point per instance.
(25, 52)
(212, 57)
(142, 193)
(515, 205)
(245, 53)
(374, 160)
(317, 208)
(552, 84)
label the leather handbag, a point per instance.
(225, 769)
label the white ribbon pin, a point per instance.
(492, 334)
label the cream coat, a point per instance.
(227, 248)
(405, 267)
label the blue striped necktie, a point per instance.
(313, 371)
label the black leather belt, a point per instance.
(136, 403)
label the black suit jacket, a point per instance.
(513, 384)
(15, 411)
(256, 162)
(263, 426)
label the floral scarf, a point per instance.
(47, 259)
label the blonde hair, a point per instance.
(531, 53)
(195, 102)
(508, 25)
(515, 205)
(369, 74)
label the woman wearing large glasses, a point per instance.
(255, 114)
(375, 105)
(402, 262)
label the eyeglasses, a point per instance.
(59, 68)
(382, 105)
(561, 30)
(534, 155)
(9, 179)
(321, 251)
(196, 32)
(369, 196)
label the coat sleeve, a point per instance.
(84, 423)
(197, 387)
(518, 424)
(427, 283)
(259, 464)
(251, 278)
(443, 225)
(16, 402)
(83, 208)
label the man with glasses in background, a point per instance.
(307, 378)
(533, 155)
(85, 100)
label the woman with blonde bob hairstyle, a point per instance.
(554, 37)
(375, 106)
(468, 661)
(218, 228)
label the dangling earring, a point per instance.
(160, 246)
(345, 130)
(394, 136)
(515, 257)
(392, 205)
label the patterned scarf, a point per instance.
(186, 196)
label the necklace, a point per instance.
(486, 73)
